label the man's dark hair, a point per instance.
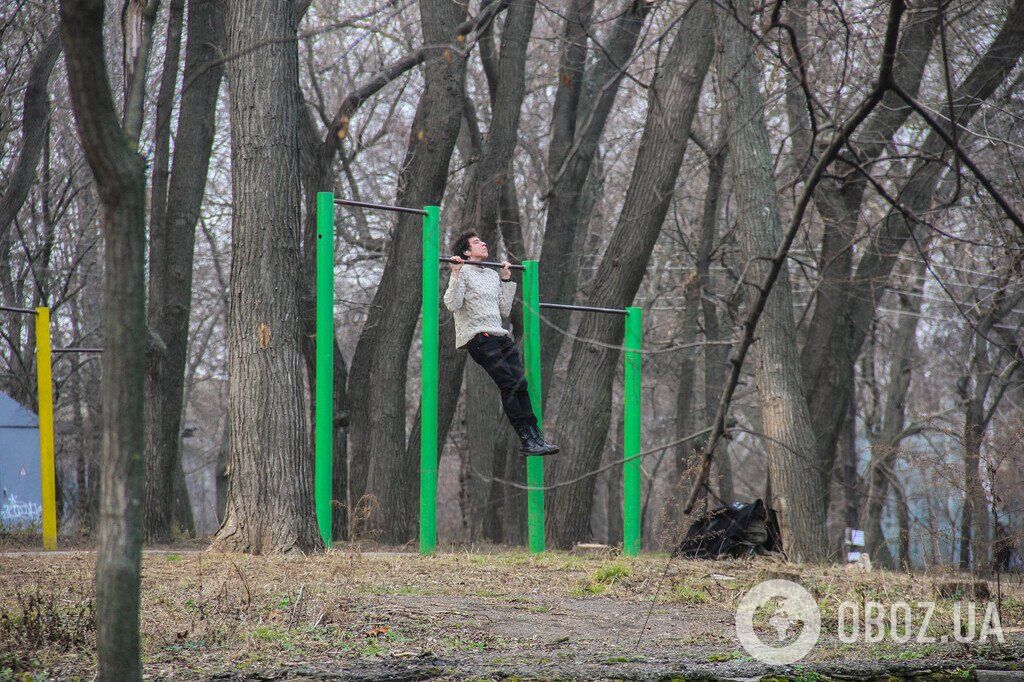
(461, 245)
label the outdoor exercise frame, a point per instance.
(324, 407)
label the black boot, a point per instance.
(529, 444)
(539, 443)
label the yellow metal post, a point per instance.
(44, 385)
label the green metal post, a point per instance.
(531, 362)
(428, 383)
(323, 473)
(631, 433)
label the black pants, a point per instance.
(499, 356)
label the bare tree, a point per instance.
(994, 361)
(849, 294)
(887, 422)
(700, 312)
(583, 103)
(120, 177)
(270, 500)
(585, 405)
(797, 480)
(490, 207)
(177, 194)
(380, 464)
(34, 121)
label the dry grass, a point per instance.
(206, 612)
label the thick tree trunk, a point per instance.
(161, 169)
(120, 177)
(798, 482)
(484, 198)
(380, 460)
(270, 498)
(585, 405)
(176, 202)
(582, 106)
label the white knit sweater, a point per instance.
(478, 300)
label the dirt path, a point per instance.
(386, 615)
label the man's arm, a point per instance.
(507, 294)
(455, 293)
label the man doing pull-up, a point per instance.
(478, 298)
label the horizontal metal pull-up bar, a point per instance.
(481, 263)
(74, 349)
(380, 207)
(585, 308)
(27, 311)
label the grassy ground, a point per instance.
(462, 614)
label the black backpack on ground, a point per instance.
(735, 530)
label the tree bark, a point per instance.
(270, 497)
(613, 496)
(164, 107)
(585, 405)
(848, 457)
(176, 202)
(484, 198)
(903, 522)
(137, 20)
(798, 482)
(120, 178)
(483, 416)
(380, 460)
(34, 121)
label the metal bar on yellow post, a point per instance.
(44, 386)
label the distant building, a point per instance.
(20, 488)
